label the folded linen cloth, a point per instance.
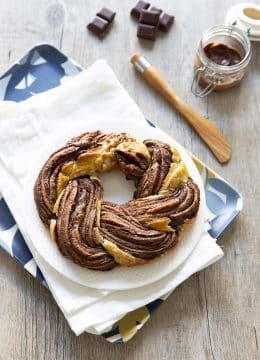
(23, 127)
(115, 305)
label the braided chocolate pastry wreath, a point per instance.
(99, 234)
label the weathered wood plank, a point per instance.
(215, 314)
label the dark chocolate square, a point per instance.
(166, 22)
(106, 14)
(149, 17)
(153, 8)
(146, 31)
(135, 12)
(98, 26)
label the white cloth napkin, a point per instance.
(24, 127)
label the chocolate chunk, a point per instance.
(106, 14)
(146, 31)
(153, 8)
(136, 11)
(98, 27)
(165, 22)
(149, 17)
(101, 23)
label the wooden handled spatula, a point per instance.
(209, 133)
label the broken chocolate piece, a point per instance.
(166, 22)
(147, 32)
(106, 14)
(136, 11)
(153, 8)
(148, 24)
(149, 17)
(98, 26)
(101, 23)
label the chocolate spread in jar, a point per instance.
(222, 54)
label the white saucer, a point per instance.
(120, 278)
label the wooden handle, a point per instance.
(210, 134)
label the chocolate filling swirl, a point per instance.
(98, 234)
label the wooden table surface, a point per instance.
(214, 314)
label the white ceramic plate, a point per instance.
(120, 278)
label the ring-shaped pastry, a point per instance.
(99, 234)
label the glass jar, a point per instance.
(212, 76)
